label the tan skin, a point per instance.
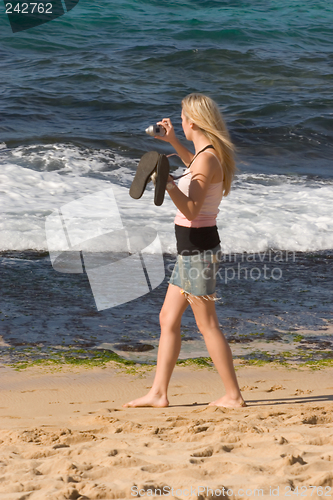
(205, 170)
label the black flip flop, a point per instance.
(162, 171)
(146, 167)
(151, 162)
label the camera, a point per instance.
(155, 130)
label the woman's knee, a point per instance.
(207, 325)
(204, 329)
(168, 319)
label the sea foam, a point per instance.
(261, 212)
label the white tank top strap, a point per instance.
(211, 153)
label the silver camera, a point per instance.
(155, 130)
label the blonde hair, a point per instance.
(204, 112)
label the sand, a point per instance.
(65, 435)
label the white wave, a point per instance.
(69, 159)
(262, 211)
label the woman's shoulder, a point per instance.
(213, 154)
(207, 164)
(207, 156)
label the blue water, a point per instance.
(101, 73)
(85, 86)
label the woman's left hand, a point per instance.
(170, 135)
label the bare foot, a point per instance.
(154, 400)
(227, 402)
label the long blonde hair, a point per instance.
(204, 112)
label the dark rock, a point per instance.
(134, 347)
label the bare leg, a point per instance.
(168, 350)
(219, 350)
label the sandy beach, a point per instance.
(65, 435)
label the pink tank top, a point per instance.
(209, 210)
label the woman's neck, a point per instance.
(200, 141)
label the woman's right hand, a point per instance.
(170, 135)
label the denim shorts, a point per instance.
(196, 274)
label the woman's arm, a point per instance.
(202, 174)
(170, 136)
(185, 155)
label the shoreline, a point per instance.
(65, 434)
(57, 357)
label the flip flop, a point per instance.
(162, 171)
(146, 167)
(151, 162)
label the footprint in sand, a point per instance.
(155, 468)
(275, 387)
(299, 392)
(281, 440)
(177, 421)
(200, 428)
(319, 441)
(208, 452)
(194, 461)
(291, 460)
(225, 448)
(125, 462)
(113, 453)
(316, 419)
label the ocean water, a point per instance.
(76, 96)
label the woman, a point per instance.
(208, 176)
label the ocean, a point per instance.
(78, 93)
